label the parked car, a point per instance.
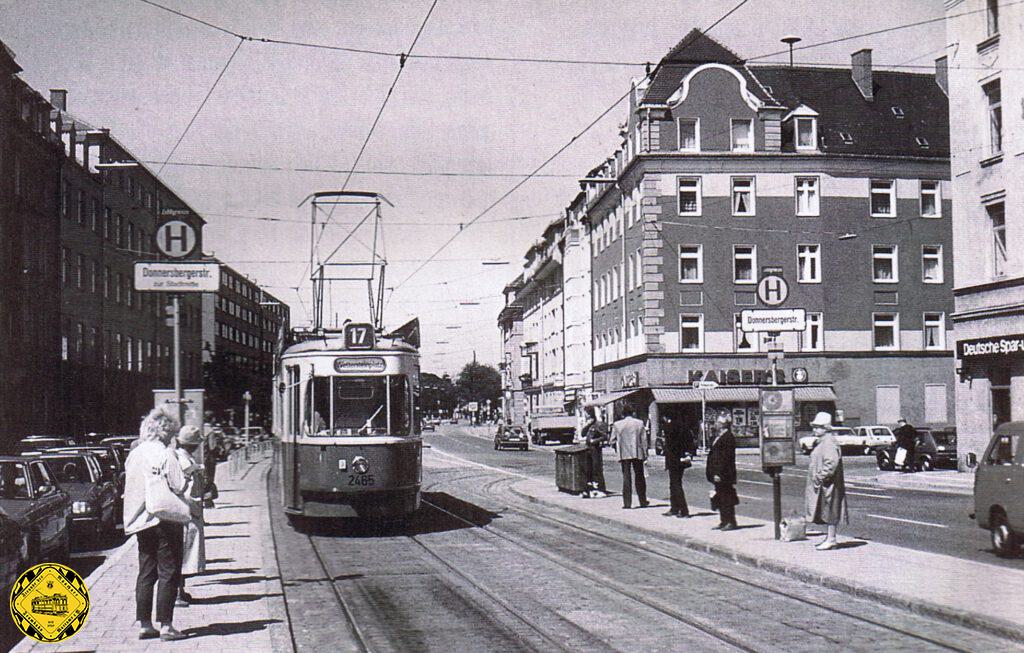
(93, 496)
(13, 552)
(846, 438)
(933, 448)
(41, 442)
(874, 436)
(111, 461)
(123, 442)
(999, 489)
(427, 425)
(31, 497)
(511, 436)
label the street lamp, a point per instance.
(247, 397)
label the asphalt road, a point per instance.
(924, 520)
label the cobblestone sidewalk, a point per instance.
(238, 601)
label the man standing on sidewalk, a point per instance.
(630, 441)
(721, 471)
(677, 459)
(595, 434)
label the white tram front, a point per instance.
(345, 412)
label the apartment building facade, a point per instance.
(986, 72)
(837, 179)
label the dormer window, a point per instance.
(847, 138)
(806, 133)
(898, 112)
(922, 142)
(742, 135)
(689, 135)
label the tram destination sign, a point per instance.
(773, 319)
(184, 276)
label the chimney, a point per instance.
(942, 74)
(59, 99)
(861, 61)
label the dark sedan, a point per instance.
(31, 497)
(511, 437)
(111, 461)
(13, 551)
(41, 442)
(93, 495)
(933, 449)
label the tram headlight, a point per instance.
(81, 507)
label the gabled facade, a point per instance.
(835, 178)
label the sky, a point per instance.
(143, 72)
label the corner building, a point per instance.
(835, 178)
(986, 71)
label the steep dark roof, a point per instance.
(873, 125)
(693, 50)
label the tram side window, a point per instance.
(318, 405)
(399, 390)
(294, 404)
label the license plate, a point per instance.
(342, 465)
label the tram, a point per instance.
(346, 415)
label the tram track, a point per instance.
(488, 491)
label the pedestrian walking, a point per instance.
(211, 452)
(826, 487)
(595, 435)
(194, 547)
(906, 439)
(677, 459)
(721, 472)
(630, 441)
(153, 483)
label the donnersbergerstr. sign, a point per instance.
(773, 319)
(186, 276)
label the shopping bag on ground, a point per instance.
(793, 528)
(901, 457)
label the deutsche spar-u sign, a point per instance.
(176, 238)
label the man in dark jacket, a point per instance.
(721, 471)
(595, 434)
(906, 437)
(676, 448)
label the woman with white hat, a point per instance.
(826, 488)
(194, 551)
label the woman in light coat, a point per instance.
(160, 542)
(826, 487)
(194, 556)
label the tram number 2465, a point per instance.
(364, 479)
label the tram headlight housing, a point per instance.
(81, 507)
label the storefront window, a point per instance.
(1000, 383)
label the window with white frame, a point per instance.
(744, 264)
(812, 338)
(934, 330)
(628, 273)
(885, 263)
(617, 282)
(885, 330)
(931, 199)
(994, 101)
(743, 342)
(808, 262)
(743, 196)
(689, 196)
(691, 264)
(627, 208)
(639, 273)
(691, 332)
(883, 198)
(689, 135)
(742, 135)
(992, 16)
(931, 264)
(636, 205)
(806, 133)
(997, 218)
(807, 198)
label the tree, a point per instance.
(479, 382)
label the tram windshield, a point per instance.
(358, 406)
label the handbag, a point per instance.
(901, 457)
(211, 492)
(794, 529)
(164, 504)
(686, 462)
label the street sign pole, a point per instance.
(179, 396)
(247, 397)
(703, 420)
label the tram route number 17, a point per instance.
(365, 479)
(359, 336)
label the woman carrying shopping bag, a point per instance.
(155, 513)
(194, 556)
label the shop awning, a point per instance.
(814, 393)
(690, 396)
(609, 397)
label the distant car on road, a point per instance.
(428, 425)
(31, 497)
(846, 438)
(511, 437)
(874, 436)
(933, 448)
(999, 489)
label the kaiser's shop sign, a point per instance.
(996, 346)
